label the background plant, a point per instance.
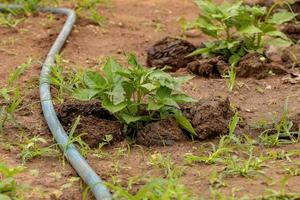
(136, 95)
(238, 28)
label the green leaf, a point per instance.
(4, 197)
(152, 105)
(163, 92)
(118, 93)
(278, 42)
(250, 29)
(108, 105)
(130, 118)
(170, 102)
(277, 34)
(182, 98)
(185, 123)
(85, 94)
(132, 60)
(149, 86)
(111, 67)
(93, 80)
(282, 17)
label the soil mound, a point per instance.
(210, 117)
(161, 133)
(210, 67)
(171, 52)
(95, 121)
(254, 65)
(292, 31)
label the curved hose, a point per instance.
(77, 161)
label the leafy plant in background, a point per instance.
(136, 95)
(238, 28)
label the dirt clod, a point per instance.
(160, 133)
(170, 52)
(254, 65)
(292, 31)
(291, 56)
(95, 121)
(210, 117)
(210, 67)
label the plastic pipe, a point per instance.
(81, 166)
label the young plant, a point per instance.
(136, 95)
(238, 28)
(11, 97)
(35, 147)
(8, 185)
(214, 156)
(90, 7)
(155, 189)
(247, 168)
(282, 132)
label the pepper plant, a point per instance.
(238, 28)
(136, 95)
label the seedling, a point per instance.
(171, 170)
(8, 185)
(283, 133)
(216, 155)
(136, 95)
(167, 189)
(34, 147)
(247, 168)
(11, 98)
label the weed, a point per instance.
(171, 170)
(33, 147)
(247, 168)
(155, 189)
(214, 156)
(136, 95)
(8, 185)
(9, 20)
(90, 7)
(84, 148)
(64, 80)
(283, 131)
(281, 194)
(216, 179)
(231, 78)
(11, 97)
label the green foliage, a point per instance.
(64, 80)
(135, 95)
(8, 185)
(9, 20)
(155, 189)
(90, 7)
(11, 97)
(282, 132)
(238, 28)
(35, 147)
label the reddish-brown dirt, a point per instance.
(132, 27)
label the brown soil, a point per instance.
(291, 56)
(131, 29)
(292, 31)
(162, 133)
(254, 65)
(210, 67)
(171, 52)
(95, 122)
(210, 117)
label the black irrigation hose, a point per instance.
(77, 161)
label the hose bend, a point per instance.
(77, 161)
